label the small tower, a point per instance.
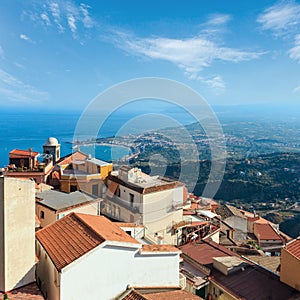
(52, 147)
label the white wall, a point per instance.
(46, 275)
(105, 272)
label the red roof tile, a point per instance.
(172, 295)
(108, 230)
(134, 295)
(27, 292)
(265, 232)
(294, 247)
(22, 153)
(72, 157)
(76, 234)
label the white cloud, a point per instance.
(87, 21)
(215, 83)
(46, 19)
(66, 14)
(191, 54)
(72, 23)
(281, 18)
(17, 91)
(24, 37)
(294, 52)
(218, 19)
(55, 12)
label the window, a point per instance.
(131, 197)
(42, 214)
(73, 188)
(98, 169)
(95, 189)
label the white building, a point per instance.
(17, 237)
(89, 257)
(153, 201)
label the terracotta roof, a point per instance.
(133, 295)
(16, 153)
(173, 295)
(108, 230)
(204, 251)
(77, 155)
(294, 247)
(159, 248)
(27, 292)
(76, 234)
(258, 219)
(265, 232)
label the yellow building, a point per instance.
(80, 171)
(290, 264)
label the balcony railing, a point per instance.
(135, 208)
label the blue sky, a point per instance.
(61, 54)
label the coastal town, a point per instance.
(77, 227)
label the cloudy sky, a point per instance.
(61, 54)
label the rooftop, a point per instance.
(60, 201)
(98, 162)
(172, 295)
(266, 232)
(271, 263)
(27, 292)
(265, 285)
(151, 185)
(76, 234)
(76, 156)
(160, 295)
(226, 211)
(203, 252)
(16, 153)
(51, 141)
(294, 247)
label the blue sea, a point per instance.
(27, 129)
(31, 130)
(24, 130)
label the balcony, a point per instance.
(135, 208)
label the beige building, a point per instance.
(153, 201)
(290, 264)
(17, 237)
(80, 171)
(52, 205)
